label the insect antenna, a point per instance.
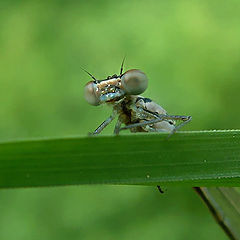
(121, 70)
(89, 74)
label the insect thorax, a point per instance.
(135, 109)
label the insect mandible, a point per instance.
(139, 114)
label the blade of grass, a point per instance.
(206, 158)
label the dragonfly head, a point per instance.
(102, 91)
(114, 88)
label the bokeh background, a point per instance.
(190, 52)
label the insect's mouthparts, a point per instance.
(118, 93)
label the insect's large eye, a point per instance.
(134, 82)
(90, 94)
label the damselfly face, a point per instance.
(114, 88)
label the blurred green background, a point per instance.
(190, 52)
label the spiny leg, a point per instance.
(103, 125)
(147, 122)
(177, 117)
(117, 126)
(160, 118)
(185, 119)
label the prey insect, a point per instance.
(137, 113)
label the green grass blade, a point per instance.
(207, 158)
(224, 205)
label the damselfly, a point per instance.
(140, 114)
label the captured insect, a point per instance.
(139, 114)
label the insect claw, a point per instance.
(159, 189)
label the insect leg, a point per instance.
(160, 118)
(147, 122)
(117, 126)
(103, 125)
(177, 117)
(159, 189)
(185, 119)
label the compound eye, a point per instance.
(134, 82)
(90, 94)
